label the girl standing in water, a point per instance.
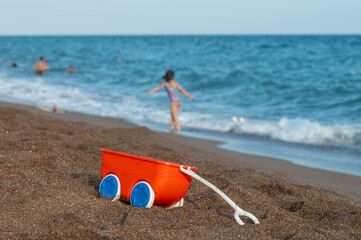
(173, 89)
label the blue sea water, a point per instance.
(301, 94)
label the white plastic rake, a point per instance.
(238, 211)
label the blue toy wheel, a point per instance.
(142, 195)
(109, 188)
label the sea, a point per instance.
(298, 97)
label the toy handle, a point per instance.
(238, 210)
(238, 219)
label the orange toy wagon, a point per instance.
(144, 182)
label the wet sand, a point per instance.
(50, 174)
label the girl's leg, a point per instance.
(171, 121)
(174, 109)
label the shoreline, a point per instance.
(342, 183)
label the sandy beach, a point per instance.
(50, 174)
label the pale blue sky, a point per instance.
(27, 17)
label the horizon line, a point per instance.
(181, 34)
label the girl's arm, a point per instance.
(184, 91)
(156, 88)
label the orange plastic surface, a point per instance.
(169, 184)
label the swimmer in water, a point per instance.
(41, 66)
(71, 69)
(173, 89)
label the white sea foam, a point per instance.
(289, 130)
(303, 131)
(40, 92)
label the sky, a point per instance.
(113, 17)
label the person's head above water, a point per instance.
(41, 58)
(169, 75)
(71, 69)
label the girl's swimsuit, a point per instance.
(173, 93)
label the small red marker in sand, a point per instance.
(54, 108)
(190, 155)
